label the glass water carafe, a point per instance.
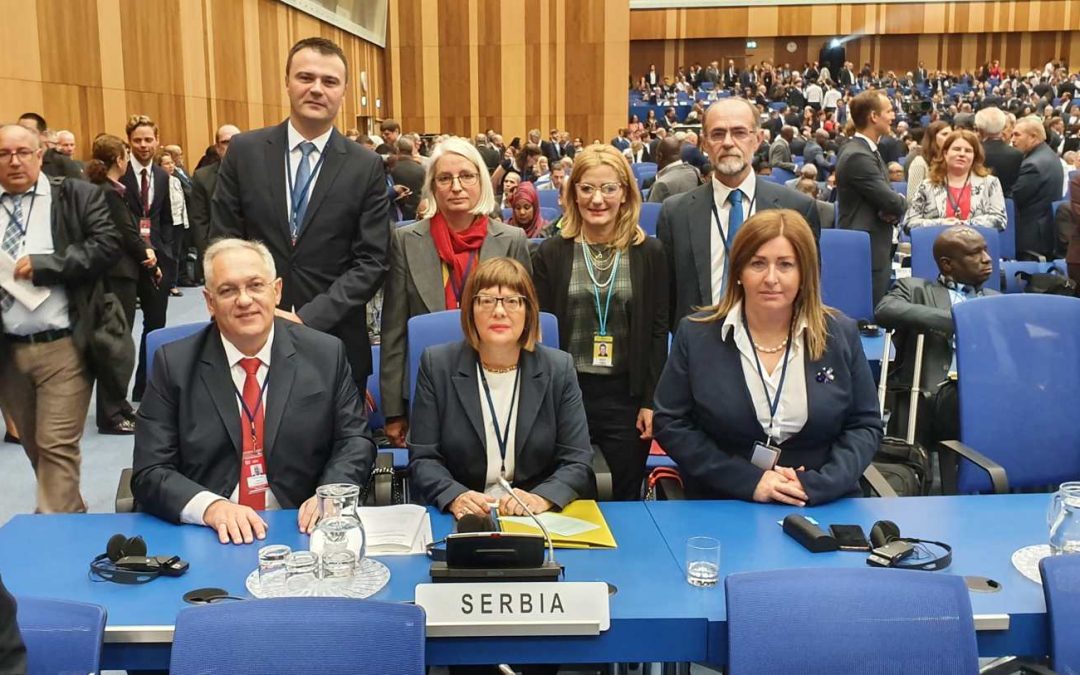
(339, 527)
(1064, 519)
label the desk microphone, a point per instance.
(547, 535)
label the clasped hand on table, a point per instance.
(781, 484)
(479, 504)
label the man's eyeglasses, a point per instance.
(607, 189)
(467, 179)
(738, 134)
(24, 154)
(511, 303)
(254, 289)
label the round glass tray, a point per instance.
(1026, 561)
(369, 579)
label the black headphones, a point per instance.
(125, 562)
(886, 531)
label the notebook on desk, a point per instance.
(579, 525)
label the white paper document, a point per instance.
(402, 529)
(556, 523)
(22, 290)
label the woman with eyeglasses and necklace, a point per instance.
(430, 261)
(498, 404)
(607, 282)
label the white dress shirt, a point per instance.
(138, 167)
(723, 208)
(195, 509)
(52, 314)
(502, 392)
(793, 409)
(295, 155)
(830, 98)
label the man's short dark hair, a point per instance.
(390, 125)
(869, 101)
(42, 127)
(322, 46)
(404, 146)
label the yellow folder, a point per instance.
(583, 509)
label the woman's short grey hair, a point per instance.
(225, 245)
(462, 147)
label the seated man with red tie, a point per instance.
(250, 413)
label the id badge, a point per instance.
(765, 456)
(603, 350)
(255, 471)
(144, 229)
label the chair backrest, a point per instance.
(550, 213)
(342, 635)
(650, 212)
(1008, 237)
(781, 176)
(846, 281)
(549, 199)
(375, 418)
(61, 636)
(1061, 588)
(161, 336)
(1017, 357)
(1009, 268)
(643, 168)
(899, 187)
(436, 328)
(849, 620)
(923, 265)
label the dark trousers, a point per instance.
(882, 279)
(179, 236)
(155, 303)
(112, 405)
(612, 416)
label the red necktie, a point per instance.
(144, 193)
(252, 441)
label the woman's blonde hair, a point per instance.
(457, 146)
(761, 228)
(507, 273)
(627, 230)
(938, 168)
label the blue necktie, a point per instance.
(301, 189)
(735, 218)
(12, 242)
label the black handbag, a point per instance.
(1048, 283)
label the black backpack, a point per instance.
(903, 462)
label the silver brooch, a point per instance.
(825, 375)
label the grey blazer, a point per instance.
(552, 452)
(928, 205)
(672, 180)
(683, 227)
(780, 155)
(414, 286)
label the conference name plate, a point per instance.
(515, 609)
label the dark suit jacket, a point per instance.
(684, 228)
(12, 649)
(203, 183)
(161, 221)
(447, 439)
(1003, 160)
(552, 267)
(550, 151)
(342, 253)
(706, 422)
(132, 247)
(415, 286)
(56, 164)
(815, 154)
(1072, 257)
(188, 434)
(1036, 188)
(889, 149)
(409, 173)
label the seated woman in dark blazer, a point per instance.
(496, 404)
(769, 368)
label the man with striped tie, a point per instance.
(56, 239)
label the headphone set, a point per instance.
(885, 533)
(125, 562)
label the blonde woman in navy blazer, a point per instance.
(712, 403)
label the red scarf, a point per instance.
(458, 250)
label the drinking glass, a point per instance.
(338, 568)
(702, 561)
(1064, 519)
(272, 568)
(301, 570)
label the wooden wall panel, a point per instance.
(191, 65)
(510, 66)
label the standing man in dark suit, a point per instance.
(814, 153)
(218, 439)
(203, 183)
(54, 163)
(408, 173)
(697, 227)
(318, 202)
(552, 148)
(1002, 159)
(147, 195)
(865, 198)
(1036, 188)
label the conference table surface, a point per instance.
(655, 614)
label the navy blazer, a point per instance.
(188, 434)
(705, 418)
(161, 223)
(552, 451)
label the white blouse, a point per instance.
(502, 392)
(178, 203)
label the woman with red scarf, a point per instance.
(431, 259)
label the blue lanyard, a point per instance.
(724, 238)
(501, 437)
(601, 317)
(25, 225)
(307, 184)
(458, 287)
(774, 404)
(251, 414)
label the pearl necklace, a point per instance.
(498, 371)
(770, 350)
